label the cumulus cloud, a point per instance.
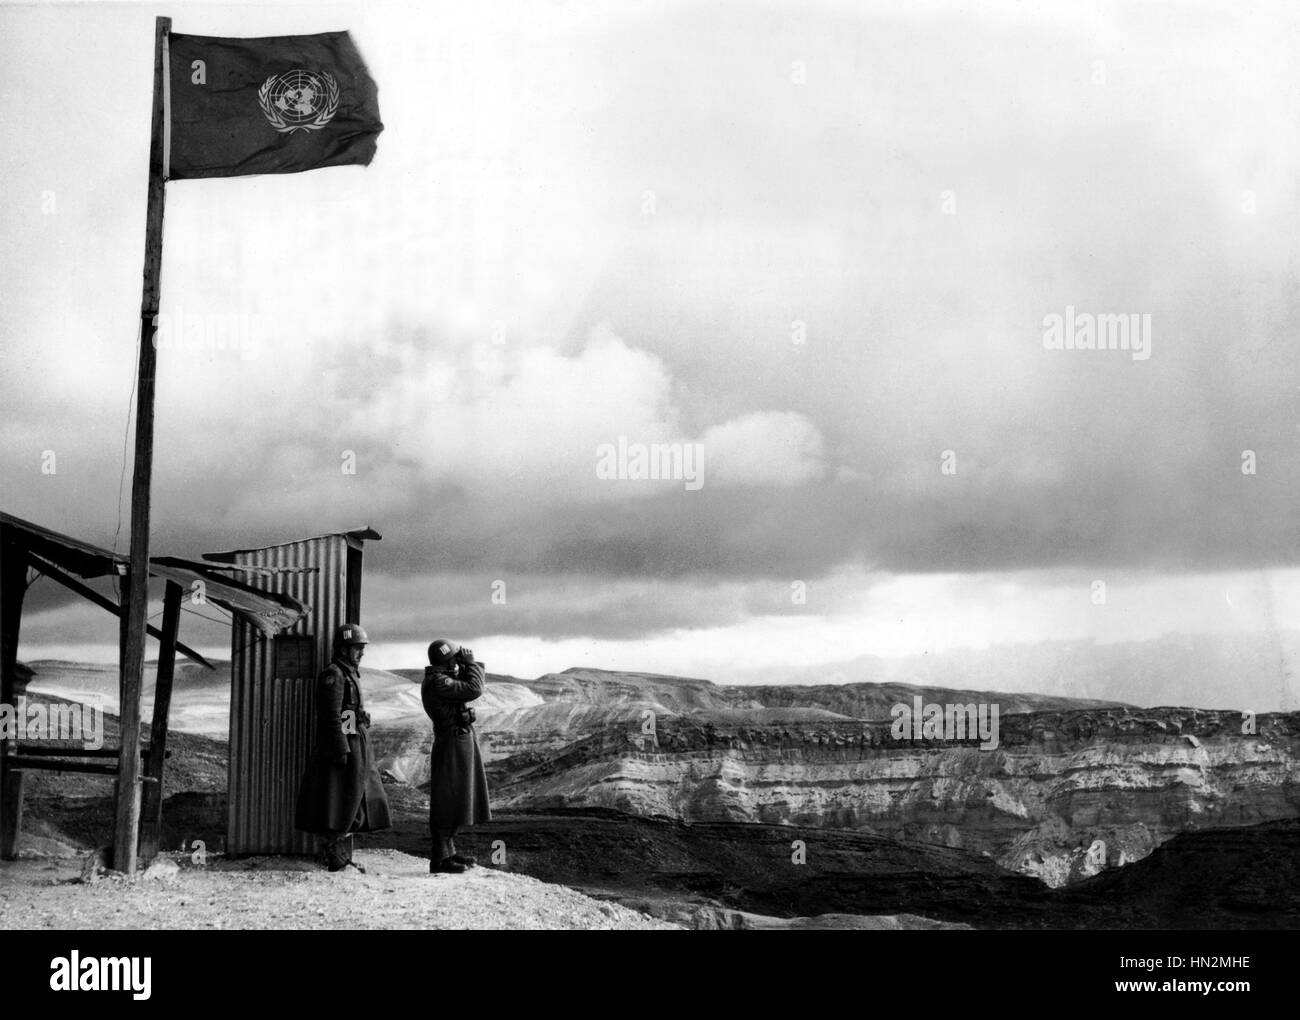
(774, 448)
(527, 421)
(517, 423)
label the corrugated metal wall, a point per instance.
(271, 719)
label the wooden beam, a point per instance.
(126, 830)
(55, 765)
(48, 751)
(151, 810)
(13, 587)
(103, 601)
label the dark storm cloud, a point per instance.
(773, 202)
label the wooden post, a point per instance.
(123, 600)
(13, 586)
(127, 824)
(151, 833)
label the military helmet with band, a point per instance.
(443, 652)
(350, 634)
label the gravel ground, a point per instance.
(270, 892)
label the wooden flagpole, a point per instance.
(126, 831)
(152, 795)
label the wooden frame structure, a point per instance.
(25, 546)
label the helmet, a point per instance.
(443, 652)
(349, 634)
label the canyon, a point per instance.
(1074, 788)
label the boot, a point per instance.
(446, 866)
(338, 853)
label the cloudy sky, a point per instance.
(821, 241)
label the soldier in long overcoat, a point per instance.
(458, 793)
(341, 791)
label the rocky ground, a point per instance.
(396, 891)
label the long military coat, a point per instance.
(458, 792)
(341, 798)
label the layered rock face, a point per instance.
(1071, 788)
(1062, 797)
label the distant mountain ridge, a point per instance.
(519, 714)
(1233, 670)
(676, 694)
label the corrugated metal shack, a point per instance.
(273, 684)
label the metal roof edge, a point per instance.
(355, 534)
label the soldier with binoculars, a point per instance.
(458, 793)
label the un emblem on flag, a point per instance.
(299, 100)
